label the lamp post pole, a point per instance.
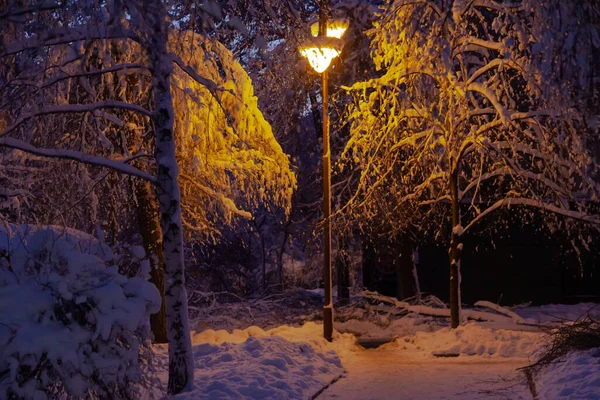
(327, 295)
(320, 53)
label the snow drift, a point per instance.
(70, 324)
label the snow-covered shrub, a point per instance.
(132, 259)
(570, 355)
(71, 325)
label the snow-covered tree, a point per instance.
(231, 163)
(473, 112)
(267, 47)
(62, 93)
(47, 25)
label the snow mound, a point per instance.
(310, 332)
(408, 325)
(260, 368)
(253, 363)
(576, 377)
(70, 325)
(472, 339)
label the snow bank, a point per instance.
(575, 377)
(406, 326)
(423, 336)
(280, 363)
(70, 325)
(261, 368)
(310, 332)
(472, 339)
(558, 313)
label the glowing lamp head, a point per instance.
(323, 49)
(335, 28)
(319, 57)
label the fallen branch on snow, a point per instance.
(505, 314)
(500, 310)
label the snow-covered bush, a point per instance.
(71, 325)
(566, 363)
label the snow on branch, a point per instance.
(427, 3)
(495, 63)
(77, 156)
(470, 42)
(210, 85)
(516, 201)
(507, 316)
(64, 76)
(526, 149)
(408, 72)
(227, 203)
(518, 173)
(500, 310)
(67, 34)
(489, 94)
(18, 12)
(75, 108)
(493, 5)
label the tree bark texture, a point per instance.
(316, 117)
(149, 221)
(455, 253)
(406, 279)
(342, 266)
(181, 362)
(286, 235)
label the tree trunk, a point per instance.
(406, 276)
(280, 255)
(149, 221)
(342, 266)
(316, 116)
(263, 250)
(264, 260)
(455, 253)
(181, 361)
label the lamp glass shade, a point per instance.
(335, 28)
(319, 57)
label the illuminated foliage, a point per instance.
(468, 117)
(230, 160)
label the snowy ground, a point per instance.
(576, 377)
(378, 374)
(485, 367)
(295, 362)
(281, 363)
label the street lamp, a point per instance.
(322, 49)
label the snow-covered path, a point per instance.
(290, 362)
(381, 374)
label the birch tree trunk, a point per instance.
(181, 362)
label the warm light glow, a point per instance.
(323, 49)
(319, 58)
(335, 29)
